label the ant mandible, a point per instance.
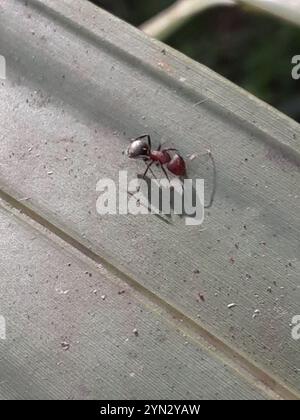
(140, 148)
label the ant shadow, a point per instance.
(175, 196)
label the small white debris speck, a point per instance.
(103, 297)
(193, 156)
(50, 173)
(61, 291)
(256, 312)
(231, 305)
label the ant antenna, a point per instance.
(212, 197)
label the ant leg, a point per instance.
(145, 173)
(166, 150)
(207, 206)
(165, 172)
(147, 160)
(154, 176)
(148, 167)
(170, 150)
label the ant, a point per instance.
(141, 149)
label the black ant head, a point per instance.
(138, 149)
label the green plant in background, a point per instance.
(254, 50)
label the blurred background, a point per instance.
(251, 49)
